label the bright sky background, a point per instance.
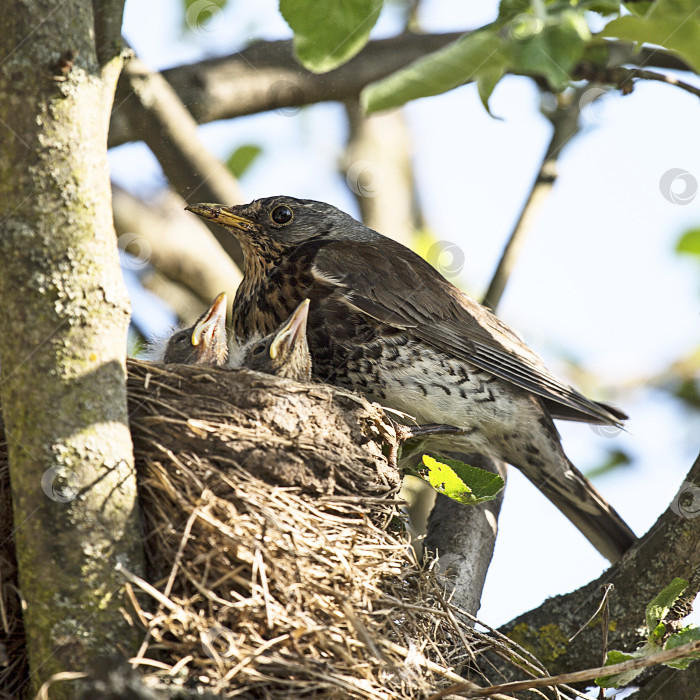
(598, 281)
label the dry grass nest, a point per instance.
(265, 588)
(278, 565)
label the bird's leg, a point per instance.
(408, 432)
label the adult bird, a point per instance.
(203, 343)
(385, 323)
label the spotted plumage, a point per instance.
(382, 321)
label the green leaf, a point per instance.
(673, 24)
(603, 7)
(552, 48)
(487, 80)
(327, 34)
(638, 9)
(656, 635)
(462, 482)
(242, 158)
(457, 63)
(617, 657)
(509, 9)
(689, 242)
(685, 636)
(659, 607)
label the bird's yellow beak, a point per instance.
(222, 215)
(213, 320)
(291, 331)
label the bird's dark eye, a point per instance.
(282, 214)
(258, 349)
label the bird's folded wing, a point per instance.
(410, 294)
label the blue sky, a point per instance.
(598, 281)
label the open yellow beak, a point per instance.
(214, 316)
(294, 328)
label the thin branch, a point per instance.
(565, 122)
(576, 677)
(608, 588)
(623, 77)
(157, 114)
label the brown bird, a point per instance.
(385, 323)
(203, 343)
(284, 352)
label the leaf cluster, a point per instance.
(661, 634)
(545, 39)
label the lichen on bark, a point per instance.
(64, 314)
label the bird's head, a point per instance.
(272, 227)
(285, 352)
(204, 342)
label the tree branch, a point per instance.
(564, 119)
(62, 356)
(176, 244)
(156, 113)
(623, 77)
(670, 548)
(265, 76)
(463, 537)
(576, 676)
(108, 28)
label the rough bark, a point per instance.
(64, 315)
(670, 548)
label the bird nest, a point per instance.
(277, 547)
(277, 563)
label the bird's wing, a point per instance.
(395, 286)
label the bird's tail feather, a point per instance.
(576, 497)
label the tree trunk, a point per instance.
(64, 315)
